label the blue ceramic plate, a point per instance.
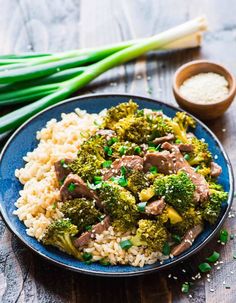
(23, 140)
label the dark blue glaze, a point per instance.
(23, 140)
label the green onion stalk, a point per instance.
(55, 77)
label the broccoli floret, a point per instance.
(200, 155)
(212, 208)
(90, 157)
(178, 190)
(60, 234)
(114, 114)
(137, 181)
(119, 203)
(180, 125)
(121, 148)
(203, 170)
(81, 212)
(190, 218)
(150, 233)
(141, 129)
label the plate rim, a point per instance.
(143, 271)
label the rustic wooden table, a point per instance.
(31, 25)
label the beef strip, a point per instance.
(168, 137)
(96, 229)
(80, 189)
(61, 169)
(161, 160)
(188, 148)
(155, 207)
(216, 169)
(188, 240)
(130, 162)
(202, 187)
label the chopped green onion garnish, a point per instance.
(112, 141)
(224, 236)
(153, 169)
(122, 182)
(88, 262)
(63, 163)
(95, 186)
(108, 150)
(112, 178)
(214, 257)
(126, 244)
(88, 227)
(122, 150)
(141, 206)
(54, 206)
(71, 187)
(178, 141)
(62, 181)
(197, 168)
(137, 150)
(166, 249)
(123, 170)
(204, 267)
(97, 179)
(151, 144)
(87, 256)
(107, 164)
(176, 238)
(186, 157)
(185, 287)
(231, 236)
(104, 262)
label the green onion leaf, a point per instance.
(185, 287)
(231, 236)
(54, 206)
(176, 238)
(187, 157)
(197, 168)
(178, 141)
(63, 163)
(108, 150)
(137, 150)
(97, 180)
(141, 206)
(123, 170)
(224, 236)
(71, 187)
(112, 141)
(122, 182)
(104, 262)
(126, 244)
(214, 257)
(166, 249)
(87, 256)
(88, 227)
(204, 267)
(107, 164)
(153, 169)
(122, 150)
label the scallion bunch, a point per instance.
(41, 80)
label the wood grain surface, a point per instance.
(56, 25)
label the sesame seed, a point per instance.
(223, 130)
(175, 278)
(183, 270)
(212, 289)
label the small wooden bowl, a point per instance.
(203, 111)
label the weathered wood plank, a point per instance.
(59, 25)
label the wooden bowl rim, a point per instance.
(232, 90)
